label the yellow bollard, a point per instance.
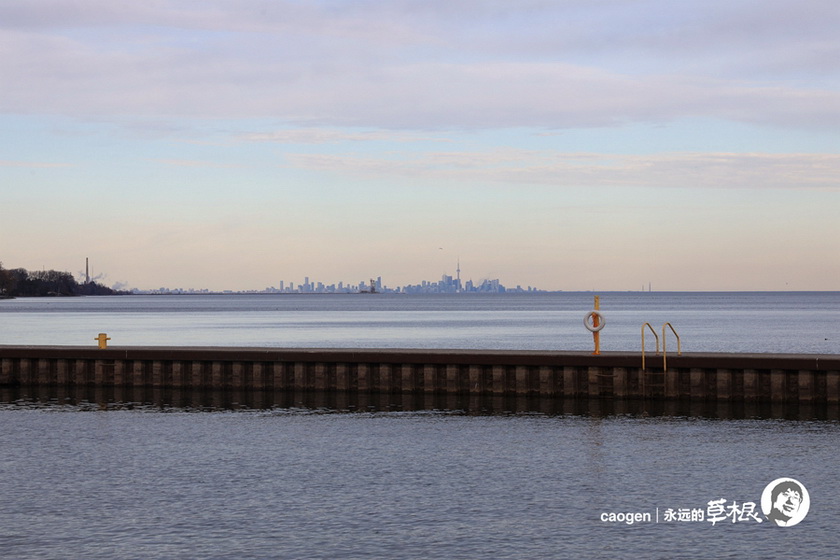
(103, 340)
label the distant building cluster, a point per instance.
(446, 285)
(449, 285)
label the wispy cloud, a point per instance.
(34, 164)
(411, 65)
(522, 167)
(317, 135)
(197, 163)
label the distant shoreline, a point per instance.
(401, 294)
(469, 294)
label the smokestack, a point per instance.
(87, 272)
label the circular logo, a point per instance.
(785, 501)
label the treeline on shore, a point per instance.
(19, 282)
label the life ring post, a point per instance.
(596, 322)
(595, 325)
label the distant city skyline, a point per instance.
(447, 284)
(578, 146)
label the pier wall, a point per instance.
(803, 378)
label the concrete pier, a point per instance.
(783, 378)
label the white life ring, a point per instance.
(589, 326)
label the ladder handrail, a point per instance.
(643, 342)
(664, 338)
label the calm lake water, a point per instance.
(297, 483)
(716, 322)
(143, 474)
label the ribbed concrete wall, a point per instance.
(741, 377)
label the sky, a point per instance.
(566, 144)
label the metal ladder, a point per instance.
(650, 381)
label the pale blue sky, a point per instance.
(575, 145)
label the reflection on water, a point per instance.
(156, 399)
(304, 475)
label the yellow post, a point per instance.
(596, 336)
(103, 340)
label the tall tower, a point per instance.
(87, 272)
(458, 276)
